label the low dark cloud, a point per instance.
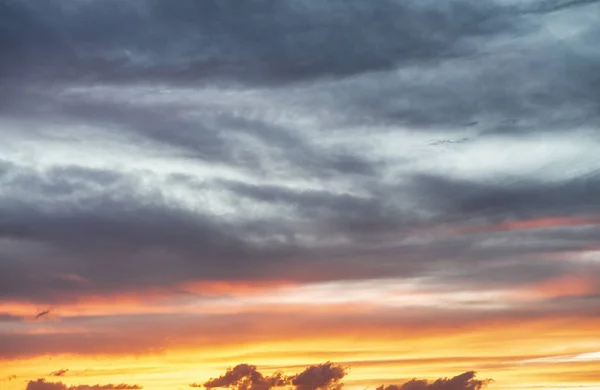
(41, 384)
(464, 381)
(320, 376)
(245, 377)
(328, 376)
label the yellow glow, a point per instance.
(515, 354)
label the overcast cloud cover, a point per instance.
(149, 144)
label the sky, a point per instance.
(306, 194)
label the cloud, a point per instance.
(465, 381)
(506, 199)
(320, 376)
(262, 41)
(41, 384)
(339, 226)
(60, 372)
(121, 386)
(134, 227)
(328, 376)
(41, 314)
(556, 5)
(245, 377)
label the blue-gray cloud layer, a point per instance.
(149, 143)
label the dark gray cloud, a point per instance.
(112, 231)
(506, 199)
(260, 40)
(88, 231)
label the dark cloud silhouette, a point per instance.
(121, 386)
(320, 376)
(245, 377)
(328, 376)
(465, 381)
(41, 314)
(41, 384)
(60, 372)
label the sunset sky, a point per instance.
(356, 192)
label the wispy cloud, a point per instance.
(60, 372)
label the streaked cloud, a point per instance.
(217, 173)
(60, 372)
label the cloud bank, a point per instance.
(287, 140)
(329, 376)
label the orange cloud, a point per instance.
(531, 224)
(164, 300)
(547, 223)
(564, 286)
(453, 335)
(237, 288)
